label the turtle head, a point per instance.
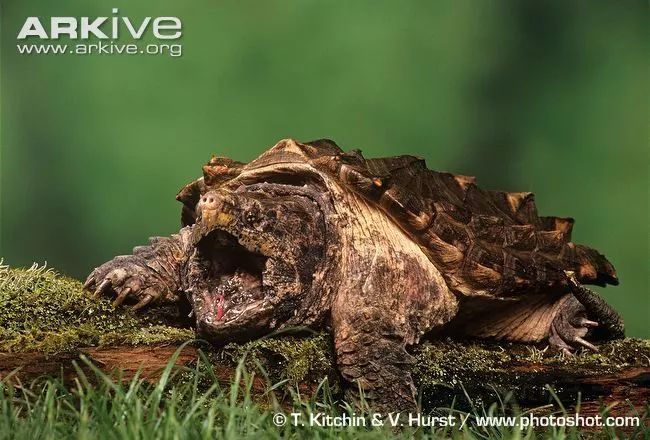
(257, 249)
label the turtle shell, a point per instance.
(484, 242)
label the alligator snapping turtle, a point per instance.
(382, 251)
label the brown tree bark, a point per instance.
(627, 387)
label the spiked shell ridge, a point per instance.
(484, 242)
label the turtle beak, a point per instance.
(213, 203)
(216, 210)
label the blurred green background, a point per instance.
(549, 97)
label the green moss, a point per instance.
(446, 370)
(43, 311)
(148, 335)
(612, 356)
(297, 359)
(451, 363)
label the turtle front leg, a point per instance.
(151, 274)
(371, 355)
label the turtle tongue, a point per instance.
(228, 288)
(222, 299)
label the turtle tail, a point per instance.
(611, 323)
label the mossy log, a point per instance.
(47, 322)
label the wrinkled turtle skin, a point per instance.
(380, 251)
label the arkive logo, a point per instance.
(163, 28)
(106, 30)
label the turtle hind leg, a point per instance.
(570, 326)
(526, 320)
(567, 320)
(557, 318)
(583, 313)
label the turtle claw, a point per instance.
(103, 287)
(143, 302)
(584, 322)
(89, 282)
(121, 297)
(566, 352)
(585, 344)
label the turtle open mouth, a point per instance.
(255, 252)
(232, 278)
